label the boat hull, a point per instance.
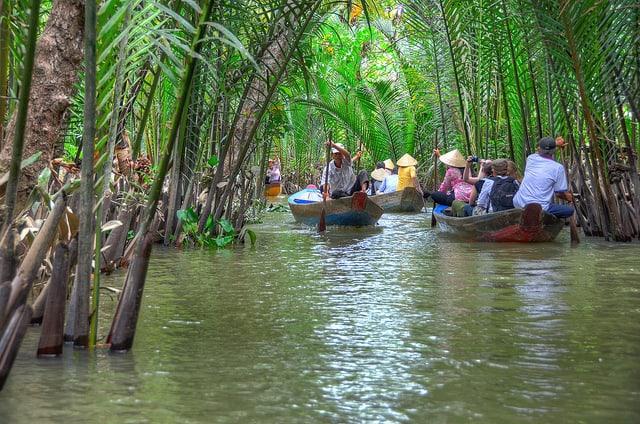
(407, 200)
(272, 190)
(355, 211)
(527, 225)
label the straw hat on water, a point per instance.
(454, 158)
(407, 160)
(379, 174)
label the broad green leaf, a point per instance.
(226, 225)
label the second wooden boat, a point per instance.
(407, 200)
(272, 189)
(355, 211)
(527, 225)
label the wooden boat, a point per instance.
(272, 189)
(527, 225)
(407, 200)
(355, 211)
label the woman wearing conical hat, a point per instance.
(453, 187)
(377, 176)
(407, 176)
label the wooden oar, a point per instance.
(573, 228)
(322, 225)
(435, 185)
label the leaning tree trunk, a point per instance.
(260, 90)
(58, 59)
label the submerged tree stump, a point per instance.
(11, 339)
(123, 328)
(51, 337)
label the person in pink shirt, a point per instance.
(453, 186)
(273, 172)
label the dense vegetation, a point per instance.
(175, 106)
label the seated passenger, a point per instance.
(513, 171)
(498, 191)
(389, 166)
(407, 176)
(485, 172)
(453, 186)
(544, 177)
(377, 176)
(390, 183)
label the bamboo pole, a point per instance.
(5, 40)
(86, 234)
(11, 192)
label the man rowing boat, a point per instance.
(343, 181)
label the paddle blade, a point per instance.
(575, 237)
(322, 224)
(359, 201)
(433, 215)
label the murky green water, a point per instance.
(395, 324)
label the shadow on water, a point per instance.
(393, 323)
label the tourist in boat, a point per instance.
(273, 171)
(544, 178)
(498, 191)
(389, 166)
(513, 171)
(484, 172)
(377, 176)
(477, 182)
(390, 183)
(342, 179)
(453, 186)
(407, 175)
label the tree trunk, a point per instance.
(12, 339)
(57, 61)
(51, 337)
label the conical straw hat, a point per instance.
(454, 158)
(379, 174)
(388, 164)
(407, 160)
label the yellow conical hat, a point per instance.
(388, 164)
(407, 160)
(454, 158)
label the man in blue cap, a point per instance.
(544, 178)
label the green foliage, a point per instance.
(189, 219)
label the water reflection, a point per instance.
(393, 324)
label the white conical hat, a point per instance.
(379, 174)
(388, 164)
(454, 158)
(407, 160)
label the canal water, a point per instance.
(393, 324)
